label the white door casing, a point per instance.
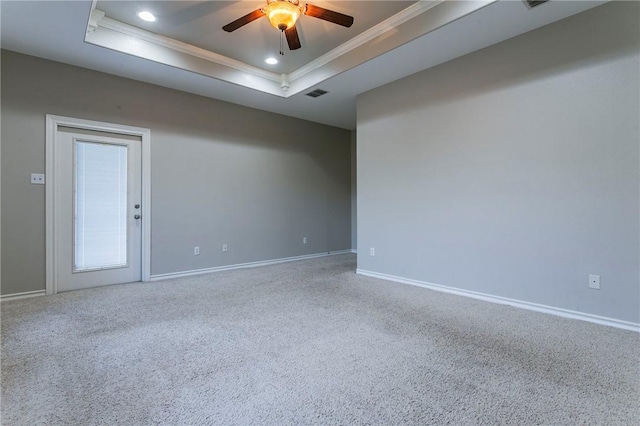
(61, 275)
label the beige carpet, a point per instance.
(306, 342)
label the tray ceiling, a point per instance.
(200, 24)
(189, 35)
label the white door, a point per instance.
(99, 228)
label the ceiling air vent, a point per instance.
(317, 93)
(534, 3)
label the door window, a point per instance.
(100, 206)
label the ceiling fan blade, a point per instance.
(292, 38)
(329, 15)
(243, 21)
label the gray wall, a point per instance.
(221, 173)
(513, 171)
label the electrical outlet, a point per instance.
(594, 282)
(37, 178)
(372, 251)
(304, 240)
(225, 247)
(196, 251)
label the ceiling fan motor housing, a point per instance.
(283, 14)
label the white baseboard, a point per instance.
(354, 251)
(566, 313)
(24, 295)
(182, 274)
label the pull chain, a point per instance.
(282, 43)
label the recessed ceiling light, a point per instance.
(146, 16)
(271, 61)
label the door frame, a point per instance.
(51, 188)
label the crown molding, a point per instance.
(98, 18)
(95, 17)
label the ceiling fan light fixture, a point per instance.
(282, 14)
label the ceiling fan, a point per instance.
(283, 15)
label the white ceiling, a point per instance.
(194, 55)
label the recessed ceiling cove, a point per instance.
(189, 35)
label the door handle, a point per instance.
(136, 216)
